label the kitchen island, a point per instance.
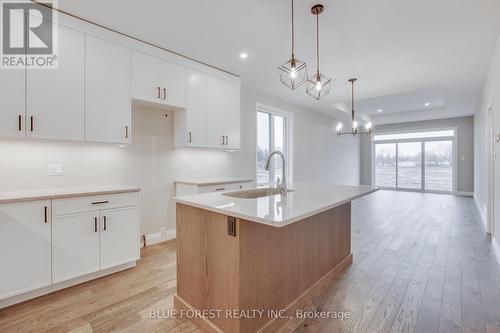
(248, 260)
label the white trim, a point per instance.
(157, 237)
(481, 213)
(61, 285)
(496, 248)
(465, 193)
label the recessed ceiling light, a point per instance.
(243, 55)
(379, 110)
(427, 104)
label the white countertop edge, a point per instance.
(206, 182)
(270, 222)
(8, 197)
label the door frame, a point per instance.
(490, 147)
(453, 139)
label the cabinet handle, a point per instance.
(100, 202)
(222, 140)
(32, 123)
(159, 92)
(227, 140)
(220, 189)
(95, 224)
(190, 137)
(164, 93)
(105, 222)
(126, 132)
(20, 123)
(45, 214)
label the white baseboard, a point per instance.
(484, 221)
(465, 194)
(158, 237)
(496, 248)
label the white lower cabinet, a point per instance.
(24, 247)
(118, 236)
(75, 246)
(93, 233)
(47, 245)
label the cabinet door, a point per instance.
(107, 114)
(119, 236)
(24, 247)
(55, 97)
(146, 77)
(232, 115)
(12, 106)
(174, 84)
(75, 246)
(196, 111)
(215, 109)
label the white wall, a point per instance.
(152, 163)
(490, 96)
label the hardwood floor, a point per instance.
(421, 264)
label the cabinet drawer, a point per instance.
(93, 203)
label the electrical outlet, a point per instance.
(194, 167)
(55, 169)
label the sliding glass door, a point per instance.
(439, 165)
(385, 161)
(422, 161)
(410, 165)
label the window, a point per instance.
(274, 128)
(422, 161)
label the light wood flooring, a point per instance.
(422, 263)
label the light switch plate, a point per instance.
(55, 170)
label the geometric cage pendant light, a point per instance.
(318, 86)
(293, 73)
(354, 125)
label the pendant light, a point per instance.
(293, 73)
(354, 130)
(318, 86)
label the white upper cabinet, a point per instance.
(174, 84)
(216, 114)
(55, 97)
(223, 114)
(146, 77)
(108, 103)
(24, 247)
(158, 81)
(191, 123)
(12, 109)
(232, 107)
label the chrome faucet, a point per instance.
(281, 186)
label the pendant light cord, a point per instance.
(293, 36)
(352, 100)
(317, 43)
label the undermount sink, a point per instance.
(255, 193)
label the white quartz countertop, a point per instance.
(213, 181)
(63, 192)
(306, 200)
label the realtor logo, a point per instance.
(29, 34)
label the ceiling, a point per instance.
(405, 53)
